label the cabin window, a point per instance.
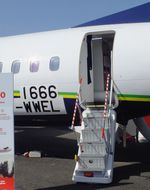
(54, 63)
(1, 66)
(34, 66)
(15, 67)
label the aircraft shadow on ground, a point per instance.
(48, 140)
(41, 120)
(83, 186)
(125, 172)
(51, 142)
(120, 173)
(134, 152)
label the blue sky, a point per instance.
(26, 16)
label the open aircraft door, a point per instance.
(95, 64)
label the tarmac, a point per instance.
(54, 169)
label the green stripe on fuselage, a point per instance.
(130, 97)
(16, 94)
(122, 97)
(69, 95)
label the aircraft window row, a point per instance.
(54, 65)
(15, 67)
(34, 66)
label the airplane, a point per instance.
(53, 69)
(48, 66)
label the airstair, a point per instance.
(94, 161)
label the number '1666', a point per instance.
(42, 92)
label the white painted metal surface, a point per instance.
(95, 154)
(130, 62)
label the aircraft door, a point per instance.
(95, 65)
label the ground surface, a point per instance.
(53, 171)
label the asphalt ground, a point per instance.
(53, 171)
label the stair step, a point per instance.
(93, 135)
(91, 163)
(93, 113)
(93, 123)
(93, 148)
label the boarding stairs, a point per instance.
(96, 142)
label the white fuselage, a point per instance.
(41, 89)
